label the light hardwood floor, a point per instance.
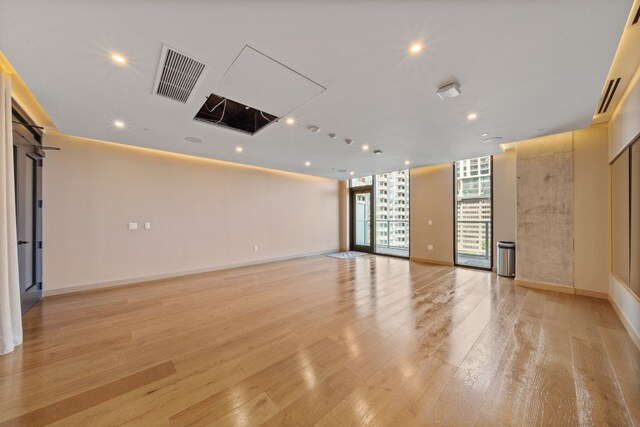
(363, 341)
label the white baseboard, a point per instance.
(625, 321)
(432, 261)
(545, 286)
(137, 280)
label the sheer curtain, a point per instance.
(10, 315)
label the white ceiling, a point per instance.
(522, 66)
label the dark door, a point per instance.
(28, 177)
(362, 231)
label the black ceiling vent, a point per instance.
(225, 112)
(637, 17)
(612, 86)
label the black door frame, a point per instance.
(27, 147)
(352, 220)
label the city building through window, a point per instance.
(391, 207)
(473, 212)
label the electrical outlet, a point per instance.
(430, 247)
(133, 226)
(147, 226)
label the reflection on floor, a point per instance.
(369, 340)
(473, 260)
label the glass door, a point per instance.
(392, 213)
(28, 178)
(361, 223)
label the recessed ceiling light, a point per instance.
(290, 121)
(378, 152)
(415, 48)
(238, 149)
(118, 123)
(365, 147)
(472, 116)
(307, 163)
(352, 173)
(193, 139)
(406, 162)
(484, 134)
(118, 59)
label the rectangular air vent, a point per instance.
(177, 75)
(221, 111)
(612, 86)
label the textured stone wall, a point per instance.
(545, 210)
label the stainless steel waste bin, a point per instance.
(506, 259)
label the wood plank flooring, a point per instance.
(322, 341)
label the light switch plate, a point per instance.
(430, 222)
(430, 247)
(133, 226)
(147, 226)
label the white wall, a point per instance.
(431, 198)
(204, 214)
(504, 199)
(624, 128)
(591, 211)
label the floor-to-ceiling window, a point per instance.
(473, 214)
(391, 211)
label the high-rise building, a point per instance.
(473, 206)
(391, 206)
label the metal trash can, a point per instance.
(506, 259)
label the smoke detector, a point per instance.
(332, 135)
(313, 129)
(377, 152)
(449, 91)
(349, 141)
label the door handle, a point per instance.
(23, 242)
